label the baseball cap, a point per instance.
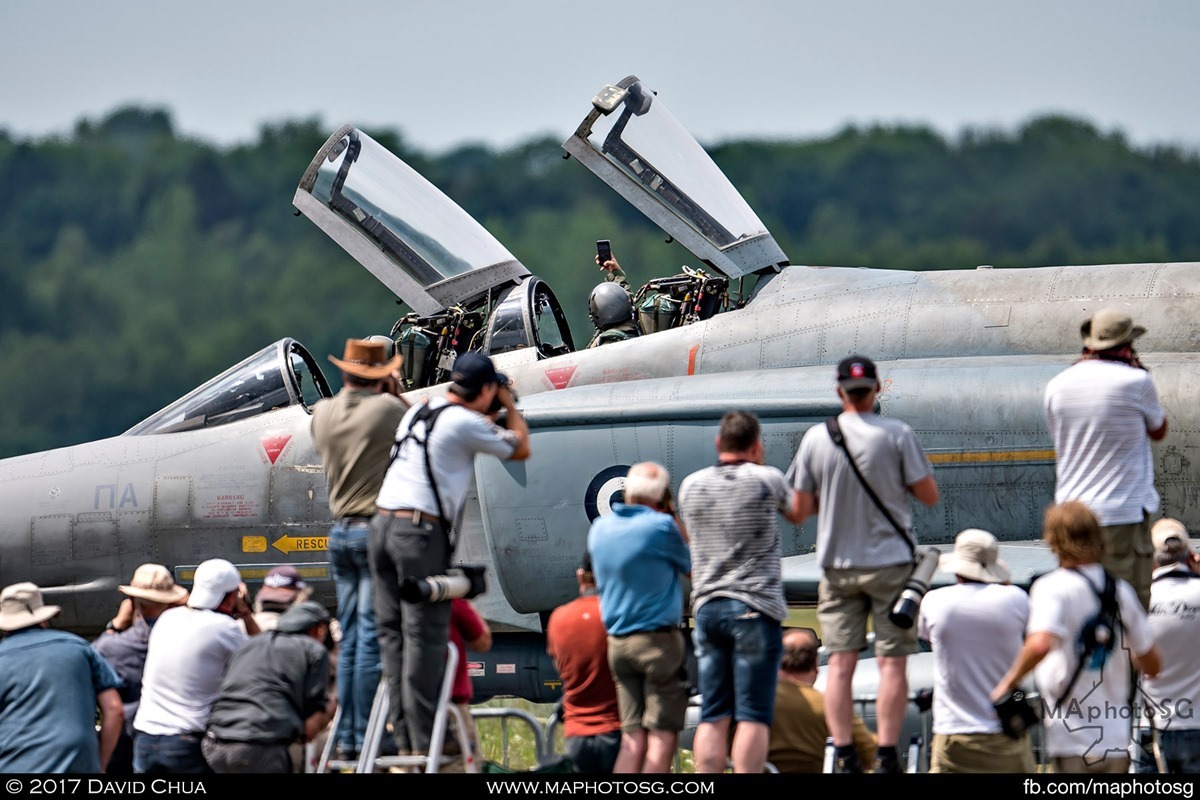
(474, 371)
(1164, 531)
(214, 579)
(857, 372)
(281, 585)
(302, 616)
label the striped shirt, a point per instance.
(731, 515)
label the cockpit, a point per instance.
(280, 375)
(468, 292)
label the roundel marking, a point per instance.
(606, 488)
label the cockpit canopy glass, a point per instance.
(274, 377)
(410, 235)
(645, 140)
(631, 141)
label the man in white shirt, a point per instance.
(188, 650)
(1103, 411)
(976, 628)
(1087, 723)
(410, 531)
(1172, 695)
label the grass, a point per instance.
(510, 741)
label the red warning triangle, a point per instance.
(560, 376)
(275, 445)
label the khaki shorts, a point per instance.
(981, 752)
(652, 689)
(847, 597)
(1129, 554)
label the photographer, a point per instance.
(422, 496)
(353, 433)
(866, 560)
(188, 651)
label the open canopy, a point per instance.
(633, 143)
(403, 229)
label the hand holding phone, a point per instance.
(603, 252)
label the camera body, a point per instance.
(904, 610)
(465, 580)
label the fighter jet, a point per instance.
(229, 470)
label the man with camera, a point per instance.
(1103, 411)
(1083, 652)
(189, 648)
(353, 433)
(1172, 695)
(976, 628)
(419, 503)
(866, 548)
(731, 512)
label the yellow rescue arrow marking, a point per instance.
(300, 544)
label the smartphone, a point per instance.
(603, 251)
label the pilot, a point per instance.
(611, 306)
(611, 311)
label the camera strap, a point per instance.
(835, 433)
(1109, 609)
(428, 416)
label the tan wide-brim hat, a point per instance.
(153, 582)
(976, 557)
(1108, 328)
(21, 607)
(366, 359)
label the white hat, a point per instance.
(976, 557)
(214, 579)
(21, 607)
(1164, 531)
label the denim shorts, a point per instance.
(737, 650)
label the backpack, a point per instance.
(1099, 633)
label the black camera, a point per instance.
(904, 611)
(465, 580)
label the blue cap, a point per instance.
(474, 371)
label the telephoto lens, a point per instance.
(904, 611)
(465, 581)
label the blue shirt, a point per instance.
(125, 652)
(49, 681)
(638, 555)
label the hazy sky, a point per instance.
(500, 72)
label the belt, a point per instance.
(416, 515)
(359, 516)
(659, 629)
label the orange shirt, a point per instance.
(578, 643)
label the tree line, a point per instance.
(136, 263)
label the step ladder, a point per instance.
(369, 759)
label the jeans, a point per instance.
(177, 754)
(1180, 750)
(738, 650)
(413, 637)
(358, 667)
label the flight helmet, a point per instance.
(609, 305)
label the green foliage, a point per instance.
(135, 264)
